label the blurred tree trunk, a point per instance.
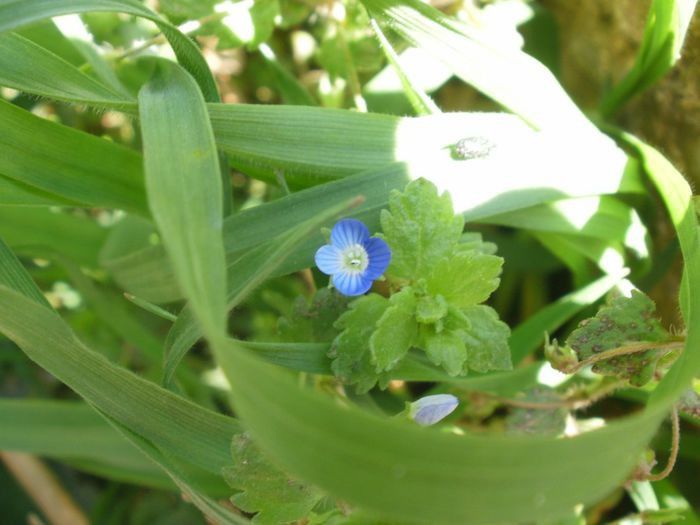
(599, 40)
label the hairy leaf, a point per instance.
(486, 340)
(541, 421)
(396, 331)
(266, 490)
(313, 322)
(445, 348)
(421, 228)
(431, 309)
(350, 349)
(465, 279)
(623, 320)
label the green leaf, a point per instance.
(664, 33)
(42, 232)
(486, 340)
(396, 331)
(317, 145)
(244, 275)
(266, 490)
(15, 14)
(69, 164)
(46, 72)
(623, 320)
(303, 357)
(13, 193)
(510, 77)
(184, 481)
(350, 351)
(431, 309)
(538, 421)
(71, 431)
(360, 452)
(289, 87)
(465, 279)
(184, 189)
(313, 322)
(248, 23)
(421, 102)
(602, 217)
(184, 429)
(429, 471)
(677, 197)
(421, 228)
(181, 10)
(47, 35)
(445, 348)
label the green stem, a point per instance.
(633, 348)
(570, 404)
(675, 446)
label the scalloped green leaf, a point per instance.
(421, 228)
(486, 340)
(623, 320)
(265, 489)
(396, 331)
(313, 321)
(350, 349)
(465, 279)
(446, 349)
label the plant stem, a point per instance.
(675, 445)
(160, 38)
(571, 404)
(44, 489)
(305, 274)
(626, 350)
(353, 79)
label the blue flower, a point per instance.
(431, 409)
(353, 259)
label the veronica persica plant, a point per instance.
(353, 259)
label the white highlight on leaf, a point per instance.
(72, 27)
(548, 376)
(238, 18)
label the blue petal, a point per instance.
(379, 255)
(351, 283)
(431, 409)
(328, 258)
(348, 232)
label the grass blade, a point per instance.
(664, 33)
(19, 13)
(184, 189)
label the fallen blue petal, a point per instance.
(431, 409)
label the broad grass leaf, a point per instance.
(184, 189)
(72, 432)
(510, 77)
(186, 430)
(42, 232)
(429, 471)
(68, 163)
(15, 14)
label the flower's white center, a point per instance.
(355, 259)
